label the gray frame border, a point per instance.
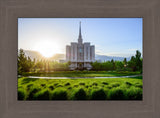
(11, 10)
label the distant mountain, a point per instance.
(38, 56)
(101, 58)
(33, 54)
(109, 58)
(58, 57)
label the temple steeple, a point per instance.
(80, 35)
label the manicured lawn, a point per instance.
(81, 89)
(81, 74)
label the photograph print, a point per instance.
(80, 59)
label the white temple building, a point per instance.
(79, 54)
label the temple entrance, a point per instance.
(80, 66)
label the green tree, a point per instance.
(138, 60)
(96, 66)
(24, 63)
(107, 65)
(113, 64)
(34, 65)
(132, 63)
(119, 65)
(30, 63)
(39, 65)
(125, 63)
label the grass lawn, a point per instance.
(81, 89)
(82, 74)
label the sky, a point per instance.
(111, 36)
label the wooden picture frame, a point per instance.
(10, 11)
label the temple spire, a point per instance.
(80, 35)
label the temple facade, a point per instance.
(79, 54)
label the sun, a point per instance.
(47, 48)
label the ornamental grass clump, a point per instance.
(42, 95)
(21, 94)
(32, 92)
(116, 94)
(51, 87)
(67, 84)
(79, 94)
(76, 86)
(98, 94)
(94, 84)
(134, 93)
(59, 94)
(128, 83)
(29, 86)
(138, 85)
(43, 85)
(82, 83)
(105, 83)
(115, 84)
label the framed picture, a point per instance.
(17, 105)
(55, 64)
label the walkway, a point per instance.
(81, 77)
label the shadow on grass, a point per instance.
(138, 77)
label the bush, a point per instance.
(43, 85)
(75, 85)
(95, 87)
(128, 83)
(55, 84)
(115, 84)
(105, 83)
(29, 86)
(109, 87)
(69, 87)
(59, 85)
(59, 94)
(98, 94)
(87, 86)
(21, 94)
(79, 94)
(95, 84)
(51, 87)
(32, 92)
(42, 95)
(81, 83)
(134, 93)
(67, 84)
(139, 85)
(116, 94)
